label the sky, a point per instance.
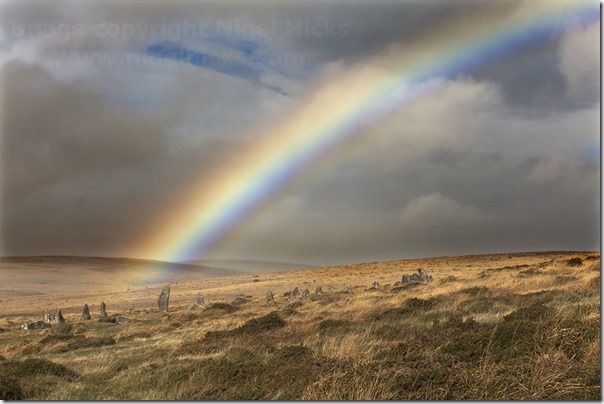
(114, 111)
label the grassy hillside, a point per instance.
(519, 326)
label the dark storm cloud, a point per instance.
(54, 130)
(65, 154)
(82, 175)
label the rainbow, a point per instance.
(338, 113)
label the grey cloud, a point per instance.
(83, 174)
(442, 209)
(443, 176)
(300, 36)
(579, 63)
(52, 130)
(322, 31)
(65, 156)
(531, 78)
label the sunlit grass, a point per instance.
(482, 329)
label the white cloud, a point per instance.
(453, 116)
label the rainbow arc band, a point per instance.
(217, 208)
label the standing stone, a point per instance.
(347, 289)
(423, 275)
(59, 317)
(86, 313)
(269, 297)
(164, 299)
(103, 310)
(293, 294)
(306, 294)
(319, 291)
(376, 285)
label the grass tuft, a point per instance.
(575, 262)
(10, 388)
(35, 366)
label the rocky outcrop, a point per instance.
(49, 317)
(35, 325)
(420, 276)
(121, 319)
(59, 319)
(53, 318)
(292, 294)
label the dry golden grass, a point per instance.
(506, 326)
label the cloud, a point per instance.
(77, 167)
(426, 215)
(66, 158)
(53, 130)
(550, 169)
(580, 63)
(458, 170)
(84, 171)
